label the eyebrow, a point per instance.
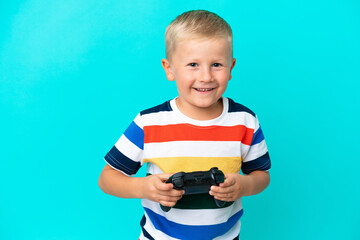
(198, 60)
(219, 60)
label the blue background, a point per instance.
(74, 74)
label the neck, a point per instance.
(201, 113)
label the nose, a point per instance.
(206, 75)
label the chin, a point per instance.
(205, 105)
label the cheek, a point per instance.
(185, 80)
(182, 84)
(223, 77)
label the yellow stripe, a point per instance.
(191, 164)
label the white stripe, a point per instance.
(117, 169)
(256, 151)
(257, 124)
(153, 169)
(232, 233)
(142, 237)
(194, 149)
(183, 118)
(130, 150)
(242, 118)
(160, 118)
(173, 117)
(195, 217)
(170, 118)
(138, 121)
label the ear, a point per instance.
(232, 66)
(168, 71)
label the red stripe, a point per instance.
(187, 132)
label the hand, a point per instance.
(155, 189)
(234, 187)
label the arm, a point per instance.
(237, 185)
(152, 187)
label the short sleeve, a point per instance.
(257, 157)
(126, 154)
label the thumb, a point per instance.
(164, 176)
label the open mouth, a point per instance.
(204, 89)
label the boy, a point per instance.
(197, 130)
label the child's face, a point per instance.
(201, 68)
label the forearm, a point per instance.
(256, 182)
(151, 187)
(117, 184)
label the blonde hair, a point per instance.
(195, 23)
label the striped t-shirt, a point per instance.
(171, 142)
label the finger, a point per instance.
(167, 204)
(222, 189)
(229, 181)
(169, 198)
(172, 193)
(222, 193)
(161, 186)
(164, 176)
(225, 199)
(164, 196)
(177, 193)
(215, 189)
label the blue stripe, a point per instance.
(181, 231)
(135, 134)
(159, 108)
(262, 163)
(258, 137)
(119, 161)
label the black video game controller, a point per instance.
(196, 183)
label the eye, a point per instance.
(193, 64)
(217, 65)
